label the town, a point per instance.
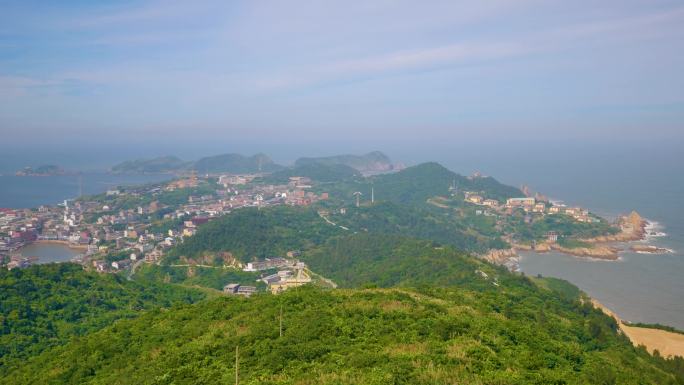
(124, 227)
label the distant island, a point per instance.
(233, 163)
(370, 163)
(373, 162)
(44, 170)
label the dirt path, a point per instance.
(667, 343)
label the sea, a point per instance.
(33, 191)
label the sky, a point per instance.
(323, 76)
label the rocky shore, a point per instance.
(632, 228)
(649, 249)
(505, 257)
(597, 252)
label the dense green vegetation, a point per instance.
(251, 233)
(386, 261)
(416, 222)
(46, 305)
(416, 184)
(516, 335)
(210, 277)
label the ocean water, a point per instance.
(29, 191)
(609, 181)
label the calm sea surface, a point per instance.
(48, 253)
(29, 191)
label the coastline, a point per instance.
(668, 344)
(633, 229)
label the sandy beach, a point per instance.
(667, 343)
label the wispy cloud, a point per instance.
(394, 62)
(550, 40)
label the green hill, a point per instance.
(250, 233)
(416, 222)
(418, 183)
(47, 305)
(513, 334)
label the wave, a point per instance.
(654, 229)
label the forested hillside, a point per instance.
(418, 183)
(516, 335)
(47, 305)
(386, 261)
(251, 233)
(416, 222)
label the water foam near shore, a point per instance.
(654, 229)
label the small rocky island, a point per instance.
(649, 249)
(44, 170)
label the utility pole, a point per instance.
(372, 195)
(237, 368)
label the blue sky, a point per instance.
(305, 73)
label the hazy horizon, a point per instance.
(316, 77)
